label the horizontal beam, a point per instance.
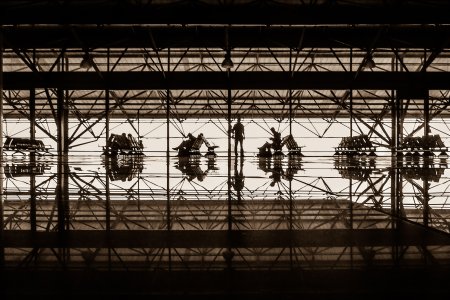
(216, 12)
(45, 37)
(408, 235)
(218, 80)
(405, 278)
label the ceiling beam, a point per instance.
(217, 12)
(45, 37)
(218, 80)
(407, 235)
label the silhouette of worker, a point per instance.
(187, 143)
(239, 136)
(277, 171)
(238, 180)
(276, 142)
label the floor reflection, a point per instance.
(290, 214)
(355, 167)
(23, 169)
(425, 169)
(190, 167)
(123, 167)
(280, 168)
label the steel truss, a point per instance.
(91, 202)
(297, 69)
(195, 69)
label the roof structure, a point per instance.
(296, 58)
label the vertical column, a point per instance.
(399, 136)
(427, 155)
(394, 147)
(396, 183)
(394, 193)
(168, 207)
(394, 123)
(426, 105)
(62, 139)
(168, 145)
(107, 167)
(108, 208)
(1, 104)
(351, 135)
(393, 115)
(107, 102)
(229, 148)
(351, 95)
(350, 190)
(2, 249)
(397, 209)
(426, 199)
(290, 91)
(62, 189)
(62, 123)
(426, 120)
(106, 116)
(291, 227)
(228, 253)
(32, 114)
(62, 203)
(33, 162)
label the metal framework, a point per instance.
(317, 70)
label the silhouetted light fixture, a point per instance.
(370, 63)
(86, 62)
(227, 63)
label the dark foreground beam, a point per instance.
(333, 283)
(224, 12)
(407, 235)
(254, 284)
(218, 80)
(92, 37)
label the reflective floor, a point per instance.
(201, 227)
